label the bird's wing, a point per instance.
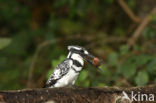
(59, 71)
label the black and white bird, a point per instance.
(66, 73)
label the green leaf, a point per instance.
(83, 75)
(128, 70)
(101, 84)
(151, 67)
(142, 59)
(105, 71)
(124, 49)
(20, 44)
(131, 3)
(86, 83)
(149, 33)
(142, 78)
(112, 59)
(49, 73)
(4, 42)
(82, 79)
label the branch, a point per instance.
(128, 11)
(32, 66)
(74, 95)
(137, 32)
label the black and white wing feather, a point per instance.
(59, 72)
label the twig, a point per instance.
(140, 28)
(31, 69)
(128, 11)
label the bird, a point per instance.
(66, 73)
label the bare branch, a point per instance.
(128, 11)
(32, 66)
(140, 28)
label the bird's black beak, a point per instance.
(93, 60)
(96, 62)
(88, 58)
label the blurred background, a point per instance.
(34, 35)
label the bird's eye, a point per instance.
(82, 51)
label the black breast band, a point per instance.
(75, 70)
(76, 63)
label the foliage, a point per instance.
(4, 42)
(142, 78)
(103, 27)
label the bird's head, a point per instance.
(84, 54)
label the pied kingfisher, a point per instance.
(66, 73)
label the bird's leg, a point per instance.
(74, 86)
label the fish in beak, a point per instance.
(96, 62)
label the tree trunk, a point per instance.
(80, 95)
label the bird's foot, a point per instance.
(74, 86)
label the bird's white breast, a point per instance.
(68, 79)
(71, 76)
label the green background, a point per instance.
(34, 35)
